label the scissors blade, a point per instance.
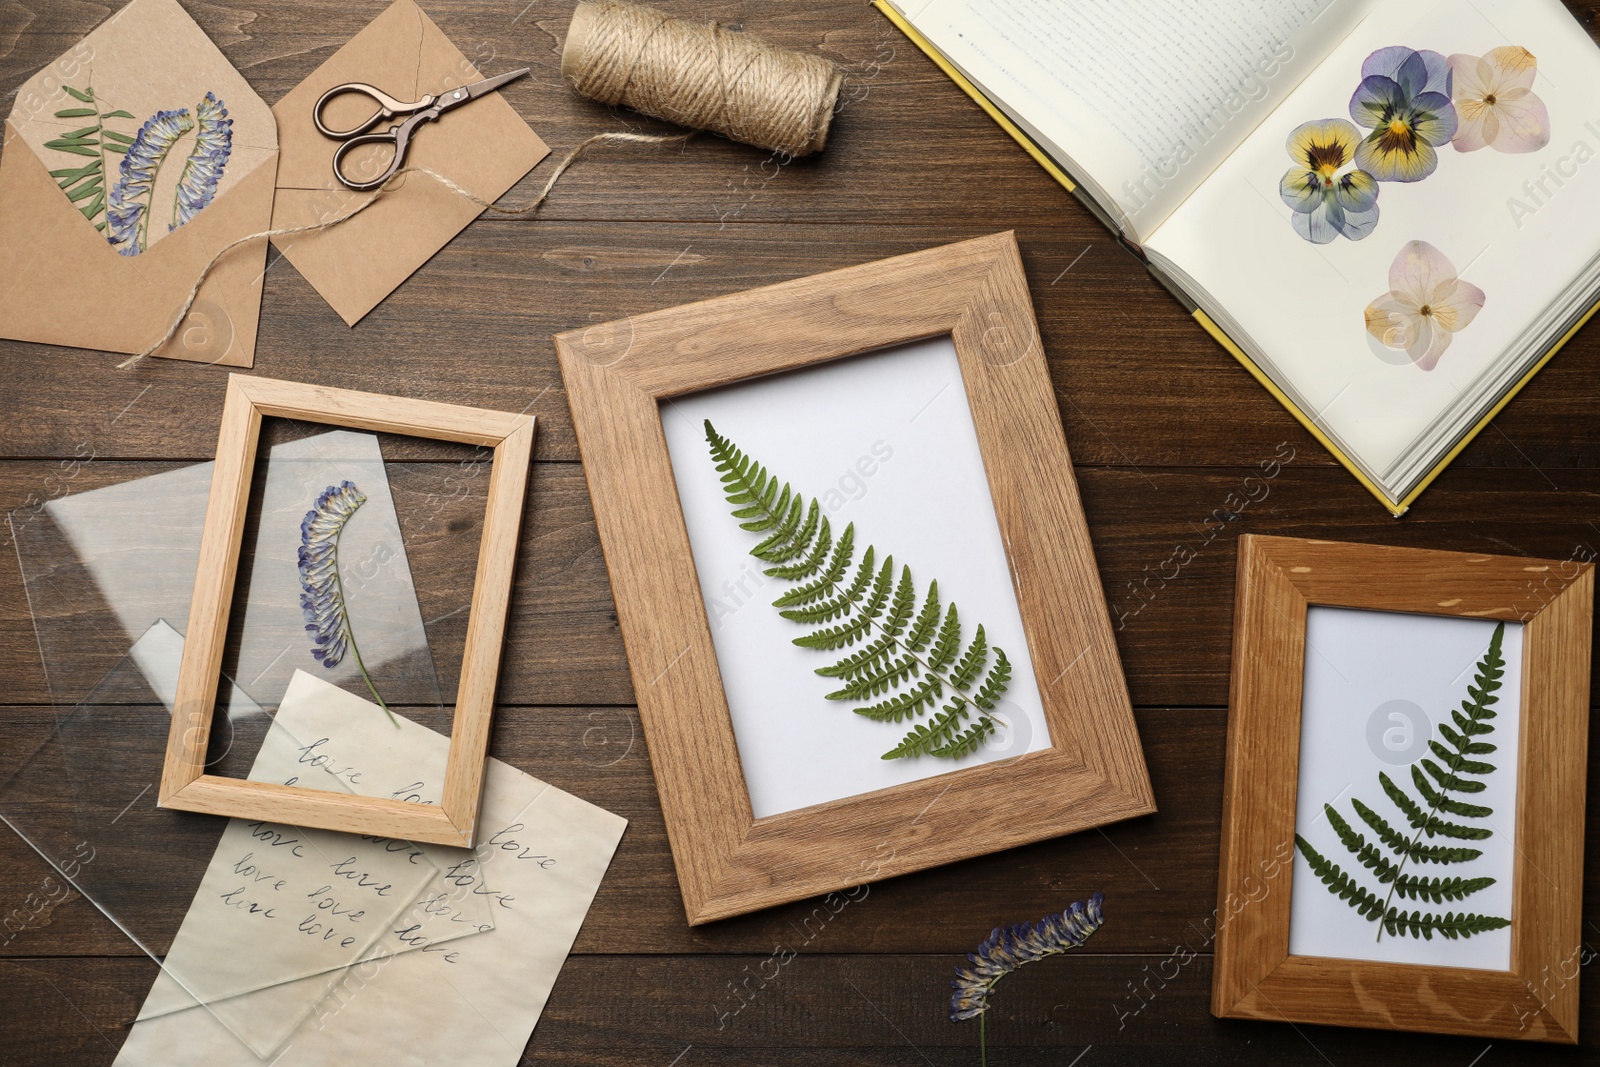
(467, 93)
(489, 85)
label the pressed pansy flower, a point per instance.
(127, 208)
(213, 142)
(1404, 100)
(1426, 305)
(1495, 102)
(322, 586)
(1329, 194)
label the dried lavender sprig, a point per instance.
(1010, 947)
(213, 143)
(322, 597)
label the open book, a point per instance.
(1388, 211)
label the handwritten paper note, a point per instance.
(459, 973)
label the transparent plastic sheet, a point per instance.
(102, 566)
(256, 922)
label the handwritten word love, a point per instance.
(275, 838)
(505, 843)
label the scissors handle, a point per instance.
(399, 137)
(388, 108)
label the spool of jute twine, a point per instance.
(701, 75)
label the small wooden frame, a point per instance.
(1255, 977)
(184, 783)
(728, 861)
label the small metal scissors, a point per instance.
(425, 110)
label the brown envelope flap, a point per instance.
(406, 55)
(72, 288)
(148, 58)
(483, 146)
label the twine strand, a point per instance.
(523, 212)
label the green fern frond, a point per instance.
(1464, 765)
(927, 620)
(994, 686)
(1439, 781)
(859, 663)
(879, 681)
(949, 642)
(1449, 925)
(792, 538)
(1340, 884)
(972, 661)
(812, 563)
(1438, 890)
(966, 741)
(1416, 852)
(907, 705)
(848, 633)
(1461, 744)
(776, 548)
(905, 602)
(1369, 856)
(828, 610)
(1442, 801)
(936, 733)
(908, 655)
(844, 553)
(1452, 782)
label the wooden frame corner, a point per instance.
(1255, 977)
(729, 862)
(453, 821)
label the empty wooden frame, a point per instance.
(453, 821)
(1255, 976)
(728, 861)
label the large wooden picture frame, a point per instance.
(1255, 976)
(728, 861)
(453, 821)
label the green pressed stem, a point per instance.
(350, 633)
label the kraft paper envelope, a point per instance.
(483, 146)
(127, 164)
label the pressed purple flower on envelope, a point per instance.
(128, 208)
(213, 143)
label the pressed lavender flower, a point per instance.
(213, 142)
(322, 596)
(1012, 946)
(127, 217)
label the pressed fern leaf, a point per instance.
(843, 553)
(1417, 853)
(909, 656)
(1453, 771)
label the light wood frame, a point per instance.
(453, 821)
(1254, 975)
(728, 861)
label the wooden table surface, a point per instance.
(1163, 426)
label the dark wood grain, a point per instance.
(1163, 426)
